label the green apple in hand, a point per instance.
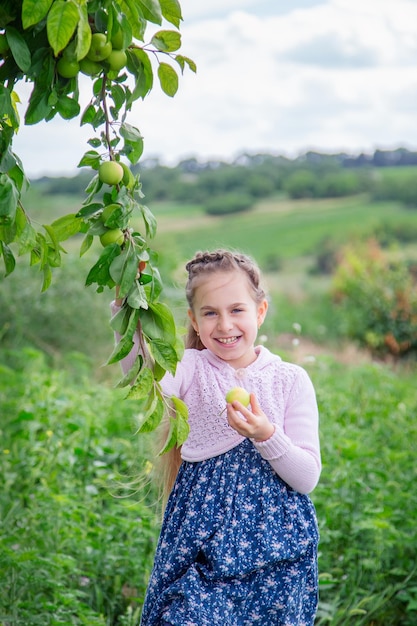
(239, 394)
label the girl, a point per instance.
(238, 545)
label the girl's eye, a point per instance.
(209, 313)
(237, 310)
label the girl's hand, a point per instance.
(255, 424)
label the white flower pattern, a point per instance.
(238, 547)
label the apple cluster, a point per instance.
(105, 54)
(113, 173)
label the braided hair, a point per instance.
(205, 263)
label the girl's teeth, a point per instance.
(229, 340)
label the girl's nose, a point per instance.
(224, 323)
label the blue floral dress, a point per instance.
(238, 547)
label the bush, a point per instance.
(228, 203)
(378, 299)
(301, 184)
(397, 186)
(338, 184)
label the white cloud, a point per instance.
(274, 75)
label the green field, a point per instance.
(284, 228)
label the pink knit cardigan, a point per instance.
(284, 392)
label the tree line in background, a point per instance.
(222, 187)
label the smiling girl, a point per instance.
(238, 544)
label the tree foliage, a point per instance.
(49, 43)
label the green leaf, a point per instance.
(168, 78)
(121, 24)
(165, 354)
(89, 209)
(9, 260)
(99, 273)
(27, 238)
(182, 61)
(133, 142)
(88, 115)
(47, 277)
(134, 17)
(153, 416)
(143, 385)
(86, 244)
(8, 232)
(83, 34)
(17, 174)
(19, 48)
(53, 238)
(67, 107)
(9, 197)
(151, 10)
(91, 158)
(39, 107)
(93, 187)
(156, 287)
(178, 426)
(181, 412)
(67, 226)
(126, 343)
(137, 297)
(7, 109)
(171, 11)
(123, 270)
(94, 142)
(150, 221)
(166, 40)
(118, 95)
(171, 439)
(33, 11)
(132, 373)
(179, 347)
(61, 23)
(158, 322)
(140, 66)
(120, 320)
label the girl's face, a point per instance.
(227, 317)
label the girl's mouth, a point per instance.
(227, 341)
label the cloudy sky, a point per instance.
(280, 76)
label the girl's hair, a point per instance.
(205, 263)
